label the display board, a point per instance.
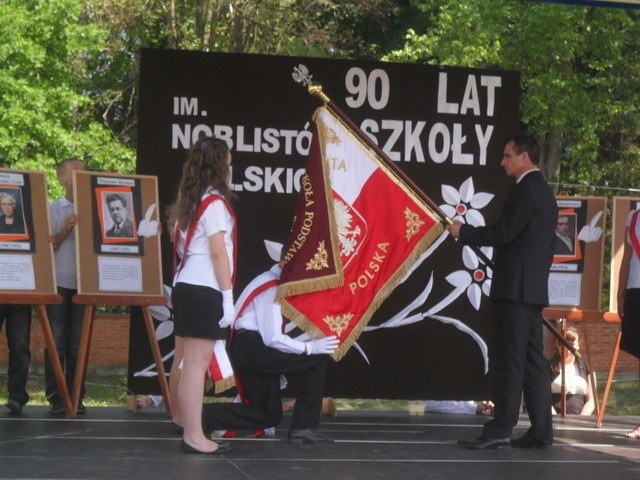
(621, 208)
(443, 126)
(117, 237)
(575, 281)
(26, 255)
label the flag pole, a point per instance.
(315, 89)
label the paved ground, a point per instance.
(111, 443)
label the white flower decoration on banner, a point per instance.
(464, 204)
(480, 275)
(164, 315)
(477, 282)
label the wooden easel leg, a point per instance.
(83, 355)
(157, 357)
(563, 366)
(607, 388)
(52, 351)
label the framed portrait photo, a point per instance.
(118, 246)
(26, 255)
(116, 213)
(16, 215)
(575, 279)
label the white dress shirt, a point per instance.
(263, 315)
(65, 254)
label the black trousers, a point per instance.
(630, 341)
(259, 368)
(520, 366)
(18, 321)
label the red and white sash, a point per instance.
(633, 233)
(202, 206)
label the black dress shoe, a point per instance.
(526, 441)
(14, 406)
(57, 407)
(485, 443)
(222, 448)
(306, 435)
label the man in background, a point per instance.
(65, 318)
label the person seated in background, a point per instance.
(147, 401)
(459, 407)
(579, 391)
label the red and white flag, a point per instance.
(358, 228)
(220, 371)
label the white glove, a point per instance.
(228, 310)
(320, 346)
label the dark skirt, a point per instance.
(630, 342)
(574, 403)
(197, 311)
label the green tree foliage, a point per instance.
(318, 28)
(45, 115)
(579, 74)
(69, 68)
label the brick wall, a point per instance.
(110, 344)
(598, 339)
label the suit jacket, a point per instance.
(126, 230)
(524, 238)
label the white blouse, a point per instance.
(198, 268)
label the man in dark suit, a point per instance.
(524, 236)
(122, 226)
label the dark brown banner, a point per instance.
(443, 127)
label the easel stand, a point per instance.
(613, 318)
(85, 339)
(562, 316)
(39, 301)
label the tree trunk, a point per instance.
(551, 157)
(238, 28)
(170, 20)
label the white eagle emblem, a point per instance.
(351, 229)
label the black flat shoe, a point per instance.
(222, 448)
(485, 443)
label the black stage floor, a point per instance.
(111, 443)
